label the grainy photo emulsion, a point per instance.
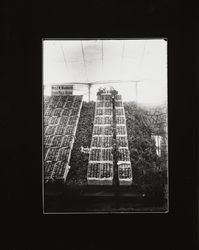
(105, 137)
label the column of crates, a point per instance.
(100, 167)
(124, 163)
(61, 116)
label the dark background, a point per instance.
(23, 25)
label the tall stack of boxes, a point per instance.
(100, 167)
(61, 115)
(124, 163)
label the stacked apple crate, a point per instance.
(124, 163)
(100, 167)
(61, 116)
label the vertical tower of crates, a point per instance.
(124, 163)
(61, 116)
(100, 167)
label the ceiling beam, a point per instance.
(122, 57)
(101, 82)
(84, 60)
(64, 57)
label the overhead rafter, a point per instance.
(102, 61)
(122, 57)
(64, 56)
(105, 82)
(123, 47)
(143, 54)
(83, 55)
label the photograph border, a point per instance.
(167, 119)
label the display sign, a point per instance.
(57, 90)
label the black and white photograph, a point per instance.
(105, 126)
(99, 125)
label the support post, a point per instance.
(89, 92)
